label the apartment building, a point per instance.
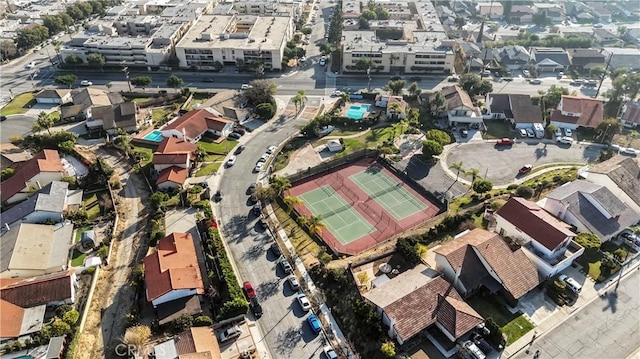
(229, 39)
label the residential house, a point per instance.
(85, 100)
(169, 311)
(112, 118)
(520, 14)
(385, 101)
(580, 32)
(512, 57)
(549, 59)
(579, 10)
(548, 242)
(419, 299)
(623, 57)
(604, 37)
(517, 109)
(621, 175)
(586, 59)
(195, 342)
(575, 111)
(25, 255)
(11, 156)
(446, 15)
(603, 11)
(493, 10)
(553, 12)
(630, 114)
(23, 302)
(172, 271)
(46, 205)
(479, 259)
(590, 207)
(633, 34)
(44, 168)
(459, 107)
(57, 96)
(465, 9)
(194, 124)
(172, 161)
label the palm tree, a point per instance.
(291, 201)
(44, 122)
(437, 104)
(296, 101)
(394, 109)
(303, 96)
(414, 90)
(474, 173)
(345, 97)
(280, 184)
(458, 167)
(315, 224)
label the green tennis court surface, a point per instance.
(389, 194)
(344, 222)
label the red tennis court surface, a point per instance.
(367, 204)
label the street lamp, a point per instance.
(604, 134)
(125, 69)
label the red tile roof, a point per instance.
(174, 145)
(517, 274)
(173, 174)
(436, 301)
(632, 112)
(196, 122)
(172, 266)
(535, 222)
(10, 320)
(591, 111)
(48, 288)
(44, 161)
(170, 158)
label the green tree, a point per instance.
(67, 80)
(291, 201)
(388, 349)
(414, 90)
(482, 186)
(174, 82)
(202, 321)
(554, 95)
(6, 173)
(44, 122)
(437, 104)
(540, 19)
(589, 241)
(474, 173)
(141, 81)
(296, 101)
(395, 109)
(54, 23)
(8, 49)
(622, 30)
(439, 136)
(306, 30)
(395, 87)
(408, 249)
(369, 14)
(97, 60)
(315, 224)
(72, 59)
(71, 317)
(459, 22)
(260, 91)
(474, 85)
(431, 148)
(265, 111)
(28, 37)
(607, 129)
(60, 328)
(137, 336)
(303, 96)
(280, 184)
(364, 64)
(363, 24)
(597, 71)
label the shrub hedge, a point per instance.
(237, 303)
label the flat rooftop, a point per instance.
(244, 32)
(422, 41)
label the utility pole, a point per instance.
(125, 69)
(606, 69)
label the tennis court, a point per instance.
(342, 220)
(389, 194)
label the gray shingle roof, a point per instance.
(51, 198)
(624, 172)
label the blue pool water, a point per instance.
(155, 136)
(357, 112)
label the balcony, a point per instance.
(572, 251)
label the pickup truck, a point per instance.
(504, 142)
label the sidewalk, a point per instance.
(560, 316)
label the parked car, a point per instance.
(568, 132)
(523, 132)
(271, 149)
(525, 169)
(239, 130)
(323, 62)
(560, 74)
(530, 133)
(336, 93)
(304, 302)
(256, 209)
(256, 308)
(263, 158)
(286, 266)
(217, 197)
(481, 343)
(252, 188)
(572, 284)
(231, 161)
(86, 83)
(629, 151)
(464, 132)
(2, 118)
(258, 167)
(275, 249)
(535, 82)
(566, 140)
(473, 350)
(235, 135)
(329, 353)
(576, 82)
(230, 333)
(526, 73)
(245, 87)
(486, 73)
(314, 323)
(293, 283)
(31, 65)
(452, 79)
(263, 223)
(504, 142)
(558, 132)
(239, 150)
(248, 289)
(208, 79)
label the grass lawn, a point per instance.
(592, 261)
(213, 158)
(304, 244)
(158, 114)
(498, 129)
(512, 325)
(142, 99)
(77, 258)
(222, 147)
(19, 104)
(208, 169)
(147, 150)
(79, 231)
(91, 205)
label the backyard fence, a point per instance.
(333, 163)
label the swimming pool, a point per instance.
(357, 112)
(155, 136)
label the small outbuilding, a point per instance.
(334, 145)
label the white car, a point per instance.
(293, 282)
(523, 132)
(566, 140)
(231, 161)
(571, 283)
(258, 167)
(86, 83)
(568, 132)
(271, 149)
(263, 158)
(629, 151)
(535, 82)
(322, 62)
(336, 93)
(530, 133)
(230, 333)
(304, 302)
(526, 73)
(329, 353)
(31, 65)
(245, 87)
(558, 133)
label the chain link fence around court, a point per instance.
(382, 221)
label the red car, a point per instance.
(504, 142)
(248, 290)
(525, 169)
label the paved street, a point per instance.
(500, 164)
(609, 327)
(16, 125)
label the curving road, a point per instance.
(500, 164)
(16, 125)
